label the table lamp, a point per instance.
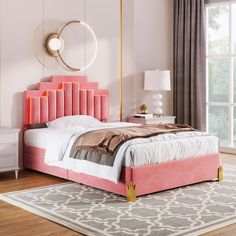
(157, 80)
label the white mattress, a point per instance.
(169, 147)
(53, 140)
(162, 148)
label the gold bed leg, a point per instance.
(220, 174)
(131, 192)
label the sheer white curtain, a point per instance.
(215, 1)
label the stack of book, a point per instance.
(144, 115)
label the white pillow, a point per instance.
(74, 121)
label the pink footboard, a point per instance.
(148, 178)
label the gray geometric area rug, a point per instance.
(190, 210)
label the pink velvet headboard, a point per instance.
(65, 96)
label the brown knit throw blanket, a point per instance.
(106, 141)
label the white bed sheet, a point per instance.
(54, 140)
(136, 152)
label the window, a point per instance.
(221, 72)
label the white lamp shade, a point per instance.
(156, 80)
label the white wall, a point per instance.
(147, 45)
(153, 40)
(128, 58)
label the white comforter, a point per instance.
(162, 148)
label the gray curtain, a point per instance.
(190, 63)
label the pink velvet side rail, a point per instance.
(147, 178)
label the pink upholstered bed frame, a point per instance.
(73, 95)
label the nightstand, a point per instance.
(9, 139)
(155, 120)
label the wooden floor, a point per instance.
(17, 222)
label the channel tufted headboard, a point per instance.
(65, 96)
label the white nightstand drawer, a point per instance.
(7, 149)
(8, 138)
(8, 161)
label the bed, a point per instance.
(141, 166)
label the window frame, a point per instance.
(230, 56)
